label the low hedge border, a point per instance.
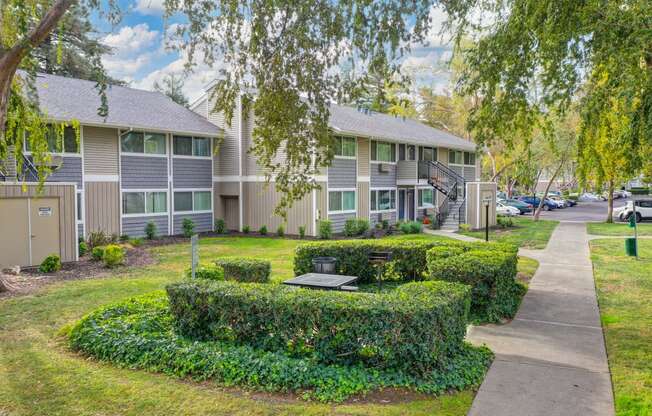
(138, 334)
(490, 271)
(409, 257)
(244, 269)
(413, 328)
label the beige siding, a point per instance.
(442, 155)
(100, 151)
(475, 210)
(226, 160)
(259, 202)
(67, 220)
(227, 188)
(102, 207)
(322, 203)
(201, 108)
(222, 191)
(363, 157)
(363, 199)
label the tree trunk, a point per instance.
(545, 193)
(610, 202)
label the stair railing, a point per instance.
(30, 169)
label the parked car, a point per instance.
(523, 207)
(590, 197)
(506, 210)
(643, 210)
(561, 202)
(547, 204)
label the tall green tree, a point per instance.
(534, 57)
(172, 86)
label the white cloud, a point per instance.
(134, 47)
(150, 7)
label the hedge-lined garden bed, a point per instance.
(413, 328)
(139, 333)
(488, 268)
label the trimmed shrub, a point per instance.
(137, 333)
(355, 226)
(124, 238)
(245, 229)
(113, 255)
(504, 222)
(114, 238)
(362, 226)
(302, 231)
(490, 270)
(325, 229)
(408, 257)
(97, 253)
(150, 230)
(411, 227)
(206, 271)
(244, 269)
(220, 226)
(465, 227)
(50, 264)
(280, 231)
(188, 227)
(263, 230)
(83, 248)
(413, 328)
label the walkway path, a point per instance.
(551, 359)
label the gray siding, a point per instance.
(70, 171)
(389, 216)
(383, 179)
(406, 169)
(142, 172)
(458, 169)
(341, 173)
(469, 173)
(135, 226)
(226, 160)
(338, 221)
(192, 173)
(203, 222)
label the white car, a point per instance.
(589, 197)
(561, 203)
(643, 210)
(506, 210)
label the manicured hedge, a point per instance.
(206, 271)
(490, 270)
(246, 270)
(413, 328)
(138, 334)
(409, 257)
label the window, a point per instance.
(411, 152)
(192, 201)
(406, 151)
(383, 152)
(146, 143)
(469, 158)
(144, 203)
(79, 206)
(428, 153)
(426, 198)
(383, 200)
(192, 146)
(341, 201)
(69, 144)
(455, 157)
(344, 146)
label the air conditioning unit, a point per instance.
(384, 168)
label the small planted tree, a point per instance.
(150, 230)
(188, 227)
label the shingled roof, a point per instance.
(65, 99)
(353, 121)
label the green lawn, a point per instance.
(38, 375)
(525, 233)
(617, 229)
(624, 293)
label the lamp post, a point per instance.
(486, 219)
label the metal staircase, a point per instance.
(452, 185)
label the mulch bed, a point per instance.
(30, 279)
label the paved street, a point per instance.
(551, 359)
(583, 211)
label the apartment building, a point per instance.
(385, 168)
(152, 160)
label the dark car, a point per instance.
(524, 207)
(547, 204)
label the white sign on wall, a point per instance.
(45, 212)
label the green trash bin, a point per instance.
(630, 247)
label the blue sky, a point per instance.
(141, 57)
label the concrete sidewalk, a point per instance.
(551, 359)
